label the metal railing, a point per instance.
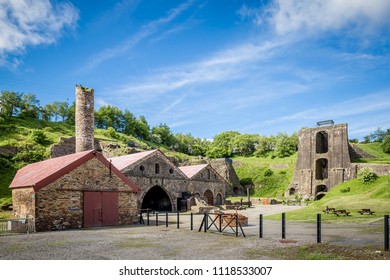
(17, 226)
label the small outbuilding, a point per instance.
(73, 191)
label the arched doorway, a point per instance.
(157, 199)
(218, 199)
(320, 191)
(209, 197)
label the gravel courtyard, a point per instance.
(160, 242)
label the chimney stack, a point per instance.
(85, 122)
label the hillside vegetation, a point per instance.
(375, 149)
(269, 176)
(352, 196)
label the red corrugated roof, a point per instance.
(40, 174)
(192, 170)
(124, 161)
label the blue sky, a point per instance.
(204, 67)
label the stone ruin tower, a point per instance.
(323, 160)
(84, 118)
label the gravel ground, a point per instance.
(160, 242)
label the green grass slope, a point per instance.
(270, 176)
(352, 196)
(375, 150)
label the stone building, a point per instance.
(324, 161)
(205, 182)
(166, 187)
(78, 190)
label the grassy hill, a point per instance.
(352, 196)
(375, 150)
(270, 176)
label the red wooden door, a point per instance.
(110, 208)
(100, 209)
(92, 209)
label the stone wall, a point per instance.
(379, 169)
(169, 177)
(23, 200)
(61, 202)
(67, 146)
(226, 170)
(209, 179)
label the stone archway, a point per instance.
(209, 197)
(157, 199)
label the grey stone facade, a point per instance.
(323, 160)
(157, 176)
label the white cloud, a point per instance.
(225, 65)
(330, 15)
(26, 23)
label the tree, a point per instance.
(165, 134)
(10, 103)
(63, 108)
(245, 144)
(264, 147)
(71, 117)
(378, 135)
(142, 129)
(109, 116)
(129, 123)
(29, 106)
(222, 145)
(386, 144)
(286, 146)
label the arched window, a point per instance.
(157, 168)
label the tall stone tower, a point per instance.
(323, 160)
(84, 118)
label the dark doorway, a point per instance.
(218, 199)
(157, 199)
(321, 169)
(322, 142)
(209, 197)
(320, 191)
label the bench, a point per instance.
(341, 212)
(329, 210)
(366, 211)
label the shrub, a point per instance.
(39, 137)
(268, 172)
(345, 190)
(366, 175)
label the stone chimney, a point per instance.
(85, 122)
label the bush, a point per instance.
(268, 172)
(345, 190)
(39, 137)
(366, 175)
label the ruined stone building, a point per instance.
(166, 187)
(74, 191)
(205, 182)
(324, 160)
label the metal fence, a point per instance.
(317, 231)
(9, 226)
